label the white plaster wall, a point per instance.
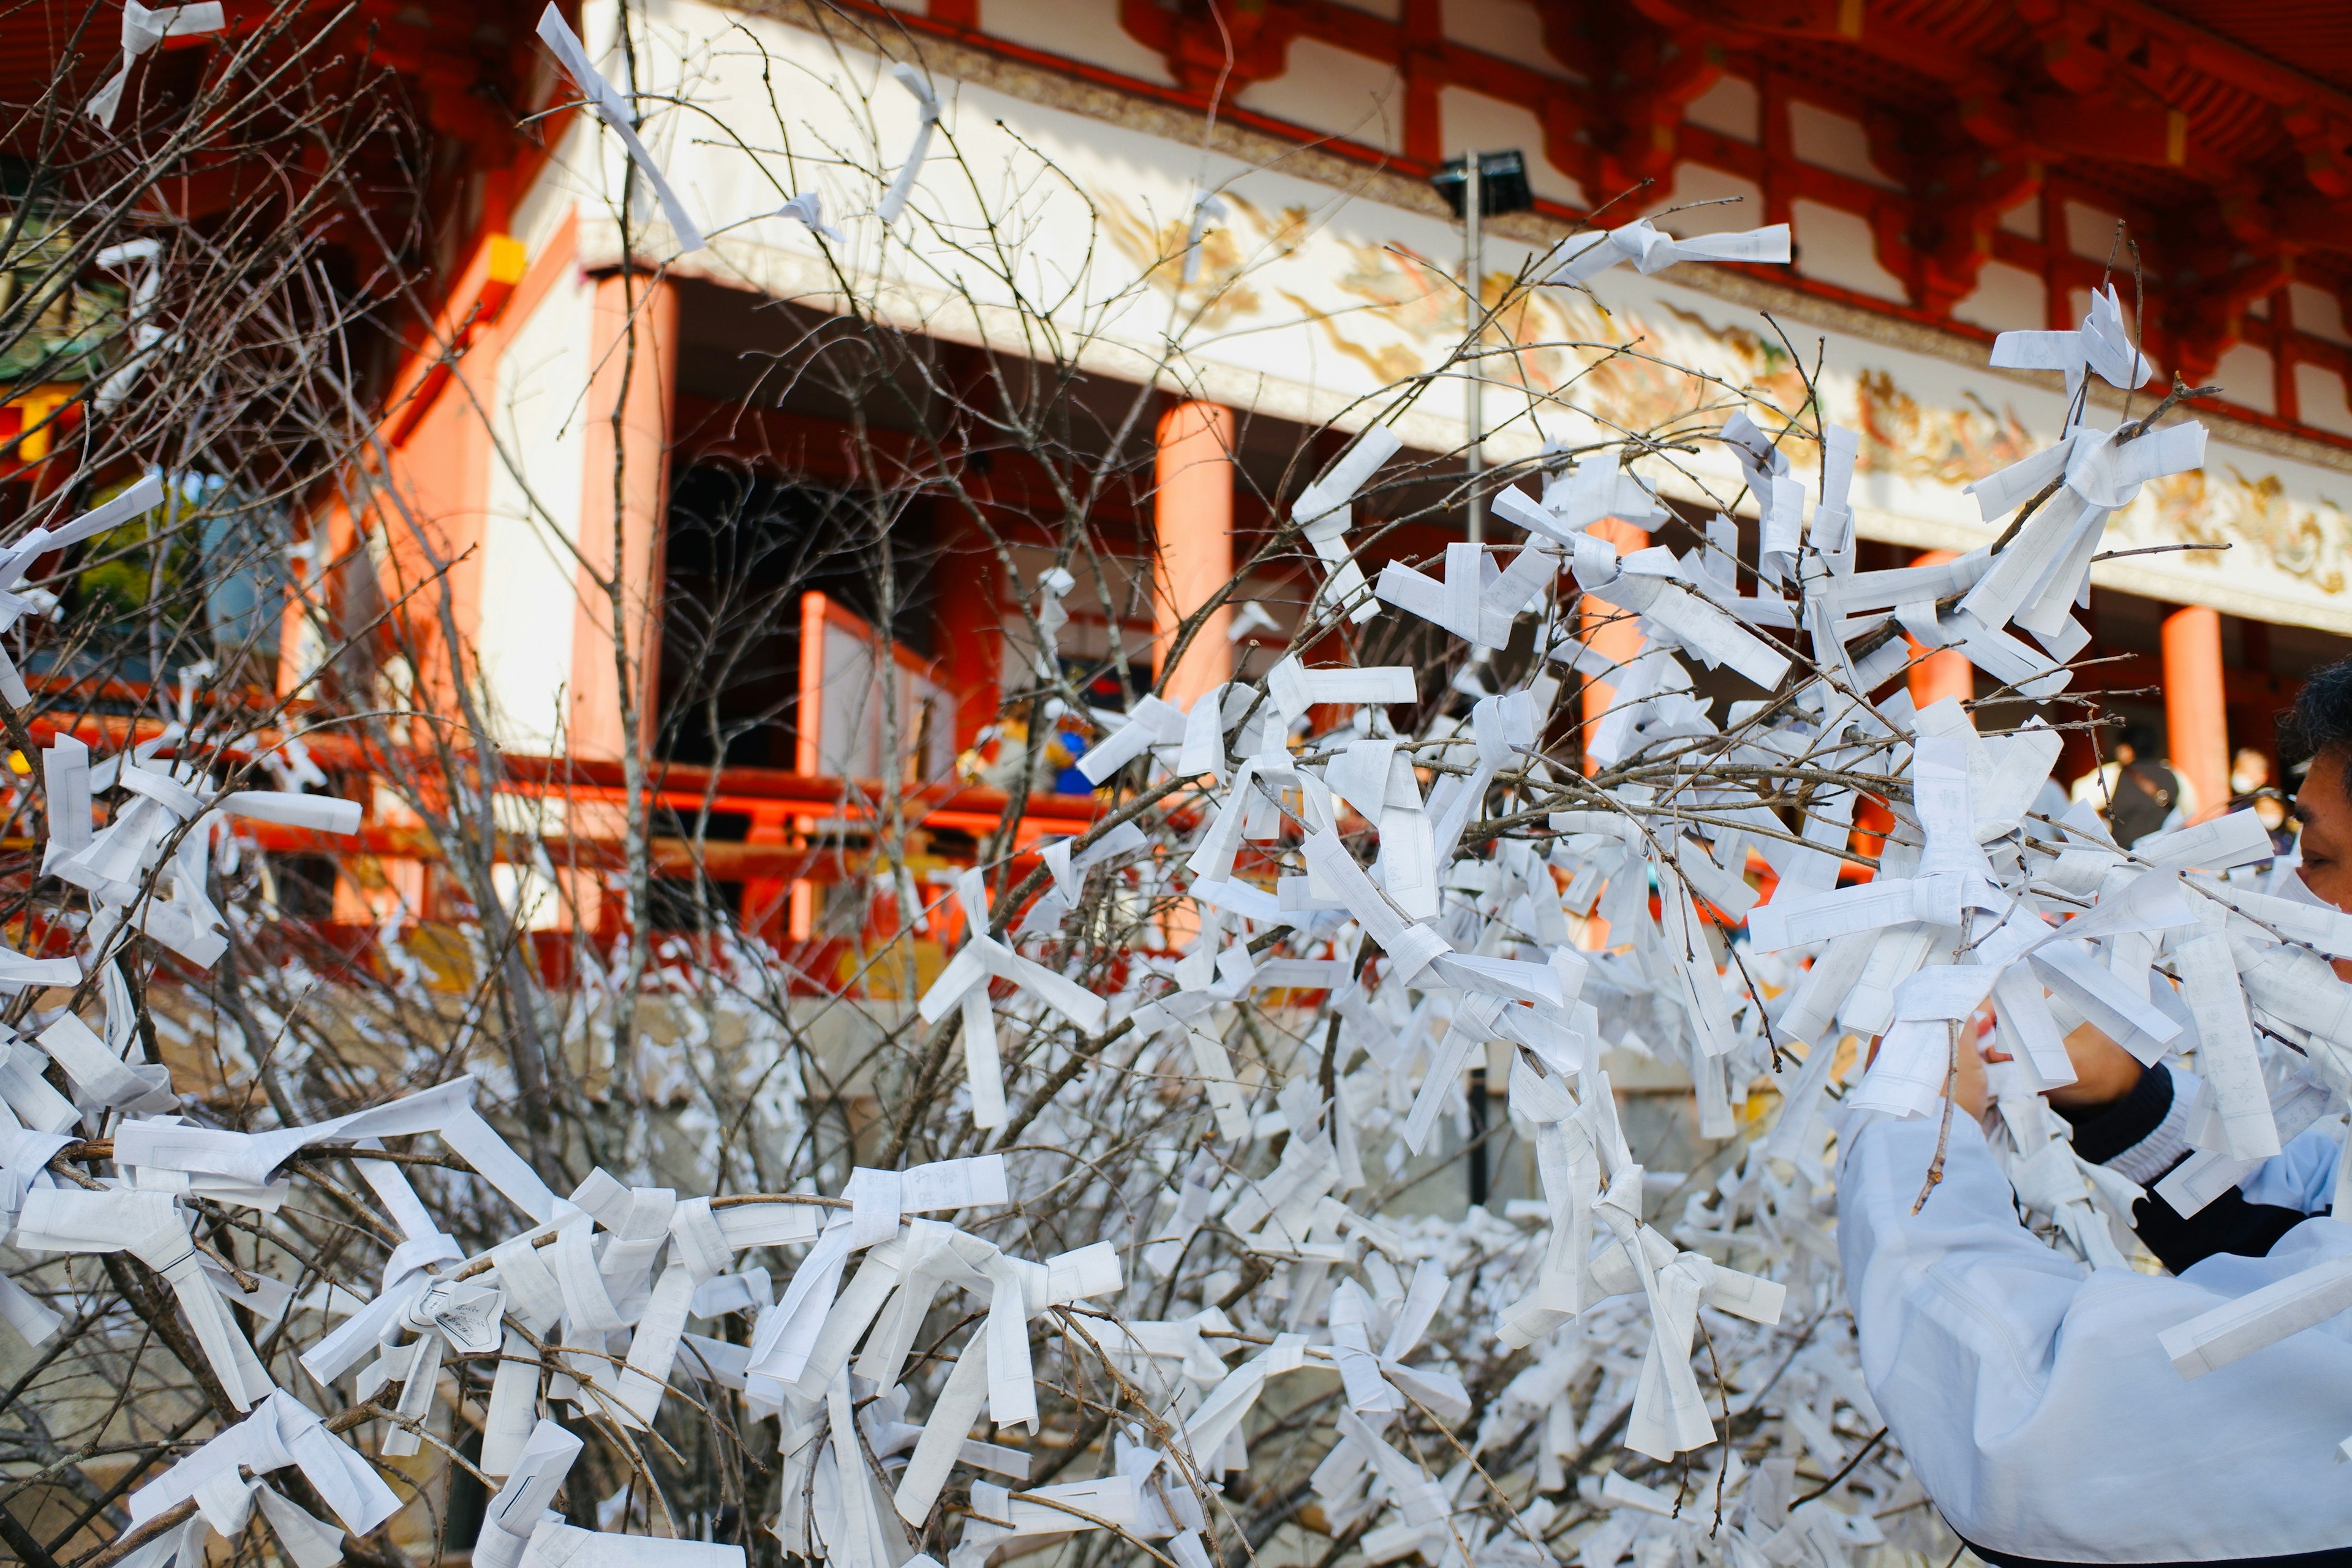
(1489, 124)
(1698, 183)
(1509, 29)
(1730, 108)
(1336, 91)
(2006, 299)
(2247, 377)
(1835, 246)
(553, 198)
(2319, 398)
(2318, 313)
(2091, 235)
(529, 595)
(1088, 32)
(1828, 139)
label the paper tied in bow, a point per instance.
(143, 28)
(466, 1315)
(616, 113)
(1586, 255)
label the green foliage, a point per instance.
(118, 586)
(52, 328)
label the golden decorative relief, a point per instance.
(1918, 440)
(2219, 505)
(1220, 293)
(1399, 314)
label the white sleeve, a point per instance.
(2301, 1176)
(2034, 1401)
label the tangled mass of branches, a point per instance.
(314, 1259)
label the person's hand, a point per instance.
(2103, 1071)
(1971, 1090)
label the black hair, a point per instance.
(2141, 740)
(2321, 718)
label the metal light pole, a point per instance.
(1476, 185)
(1474, 297)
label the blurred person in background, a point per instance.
(2250, 772)
(2137, 794)
(2251, 790)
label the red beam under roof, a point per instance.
(2216, 132)
(2297, 38)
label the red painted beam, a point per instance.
(2147, 134)
(681, 784)
(718, 860)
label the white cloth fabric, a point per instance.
(2036, 1404)
(2299, 1176)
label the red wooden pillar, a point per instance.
(1192, 517)
(1945, 672)
(2196, 715)
(1606, 630)
(970, 636)
(767, 901)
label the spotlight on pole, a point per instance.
(1479, 186)
(1502, 184)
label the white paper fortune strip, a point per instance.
(1586, 255)
(902, 185)
(142, 29)
(615, 111)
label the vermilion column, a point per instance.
(970, 639)
(1193, 516)
(2196, 710)
(768, 901)
(1606, 630)
(630, 497)
(1945, 672)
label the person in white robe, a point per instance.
(2033, 1396)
